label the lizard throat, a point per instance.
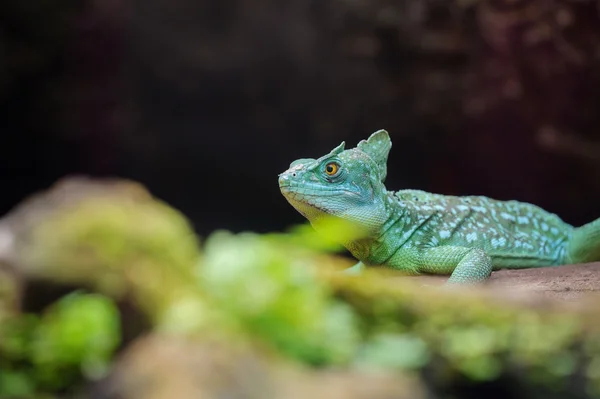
(310, 211)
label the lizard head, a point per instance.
(346, 184)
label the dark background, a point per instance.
(205, 102)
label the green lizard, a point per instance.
(424, 233)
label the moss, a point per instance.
(121, 243)
(75, 338)
(478, 337)
(274, 293)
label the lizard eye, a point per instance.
(331, 168)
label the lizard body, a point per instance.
(425, 233)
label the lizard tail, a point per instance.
(584, 245)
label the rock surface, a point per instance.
(562, 283)
(158, 367)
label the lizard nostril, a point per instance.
(294, 174)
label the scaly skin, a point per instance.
(423, 233)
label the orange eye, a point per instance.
(331, 168)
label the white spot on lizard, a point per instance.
(444, 234)
(507, 216)
(471, 237)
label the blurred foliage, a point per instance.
(281, 294)
(274, 293)
(72, 339)
(113, 237)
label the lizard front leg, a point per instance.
(466, 265)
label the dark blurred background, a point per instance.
(205, 102)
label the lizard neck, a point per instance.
(384, 214)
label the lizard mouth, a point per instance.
(314, 191)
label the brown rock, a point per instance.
(564, 283)
(158, 367)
